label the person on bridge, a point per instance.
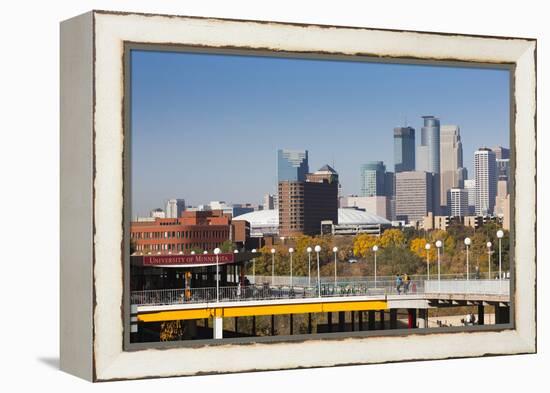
(398, 283)
(407, 283)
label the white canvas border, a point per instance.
(110, 33)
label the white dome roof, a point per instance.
(349, 216)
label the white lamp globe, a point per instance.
(217, 251)
(335, 249)
(253, 250)
(205, 252)
(489, 244)
(236, 252)
(467, 241)
(291, 250)
(309, 249)
(317, 248)
(427, 246)
(500, 233)
(375, 248)
(192, 252)
(438, 244)
(273, 251)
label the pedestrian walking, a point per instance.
(398, 283)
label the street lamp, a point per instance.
(427, 247)
(335, 250)
(254, 267)
(290, 251)
(205, 252)
(489, 245)
(467, 242)
(318, 250)
(439, 244)
(216, 252)
(272, 266)
(500, 235)
(374, 249)
(192, 252)
(309, 250)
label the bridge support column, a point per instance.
(309, 323)
(254, 325)
(422, 318)
(236, 325)
(382, 320)
(372, 320)
(217, 325)
(291, 324)
(329, 321)
(360, 320)
(393, 318)
(272, 325)
(480, 314)
(341, 321)
(412, 318)
(353, 321)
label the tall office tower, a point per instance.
(458, 202)
(486, 181)
(503, 171)
(373, 178)
(452, 173)
(501, 152)
(304, 204)
(404, 149)
(172, 209)
(414, 195)
(470, 188)
(502, 203)
(268, 202)
(292, 165)
(427, 154)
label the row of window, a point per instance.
(180, 234)
(176, 247)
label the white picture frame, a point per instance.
(92, 194)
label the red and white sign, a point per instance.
(187, 260)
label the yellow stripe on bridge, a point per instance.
(257, 310)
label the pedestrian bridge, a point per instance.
(340, 296)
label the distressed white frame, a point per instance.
(109, 361)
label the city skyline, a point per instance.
(251, 123)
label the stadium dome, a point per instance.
(267, 221)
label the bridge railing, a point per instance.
(468, 287)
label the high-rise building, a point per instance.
(174, 208)
(502, 203)
(458, 202)
(452, 172)
(486, 181)
(292, 165)
(304, 204)
(268, 202)
(373, 178)
(414, 195)
(404, 149)
(428, 154)
(501, 152)
(470, 188)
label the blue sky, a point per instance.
(207, 127)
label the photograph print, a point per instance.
(282, 197)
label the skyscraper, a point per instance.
(470, 188)
(373, 179)
(414, 195)
(501, 152)
(427, 156)
(174, 208)
(268, 202)
(458, 202)
(292, 165)
(304, 204)
(486, 181)
(404, 149)
(452, 173)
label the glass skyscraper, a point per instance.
(427, 157)
(373, 179)
(404, 149)
(292, 165)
